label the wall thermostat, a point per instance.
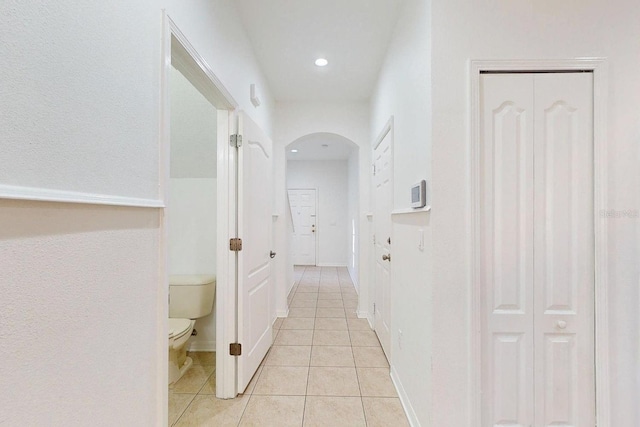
(419, 195)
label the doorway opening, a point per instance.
(196, 170)
(322, 179)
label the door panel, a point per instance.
(254, 262)
(564, 235)
(383, 201)
(506, 236)
(303, 213)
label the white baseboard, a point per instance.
(404, 399)
(353, 279)
(362, 314)
(202, 346)
(282, 313)
(329, 264)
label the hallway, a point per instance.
(326, 368)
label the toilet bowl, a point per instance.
(179, 332)
(190, 297)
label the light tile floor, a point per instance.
(326, 368)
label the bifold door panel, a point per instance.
(537, 246)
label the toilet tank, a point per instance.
(191, 296)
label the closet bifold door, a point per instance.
(506, 244)
(537, 245)
(564, 250)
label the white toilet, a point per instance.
(190, 297)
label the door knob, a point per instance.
(386, 257)
(562, 324)
(272, 254)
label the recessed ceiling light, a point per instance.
(321, 62)
(294, 151)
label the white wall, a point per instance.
(294, 120)
(192, 241)
(403, 91)
(78, 83)
(329, 178)
(82, 302)
(193, 130)
(464, 30)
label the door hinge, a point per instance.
(374, 239)
(235, 140)
(235, 244)
(374, 308)
(374, 170)
(235, 349)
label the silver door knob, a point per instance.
(562, 324)
(386, 257)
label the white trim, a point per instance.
(330, 264)
(162, 328)
(195, 68)
(282, 313)
(356, 285)
(410, 210)
(600, 72)
(385, 130)
(404, 399)
(189, 62)
(202, 346)
(362, 314)
(10, 192)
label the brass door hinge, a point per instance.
(235, 349)
(235, 245)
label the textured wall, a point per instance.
(79, 92)
(78, 314)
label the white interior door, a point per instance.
(303, 215)
(536, 236)
(383, 202)
(254, 261)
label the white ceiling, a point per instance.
(310, 147)
(288, 35)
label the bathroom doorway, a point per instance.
(199, 218)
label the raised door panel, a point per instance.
(254, 263)
(564, 274)
(506, 239)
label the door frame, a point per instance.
(177, 48)
(388, 129)
(598, 66)
(315, 261)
